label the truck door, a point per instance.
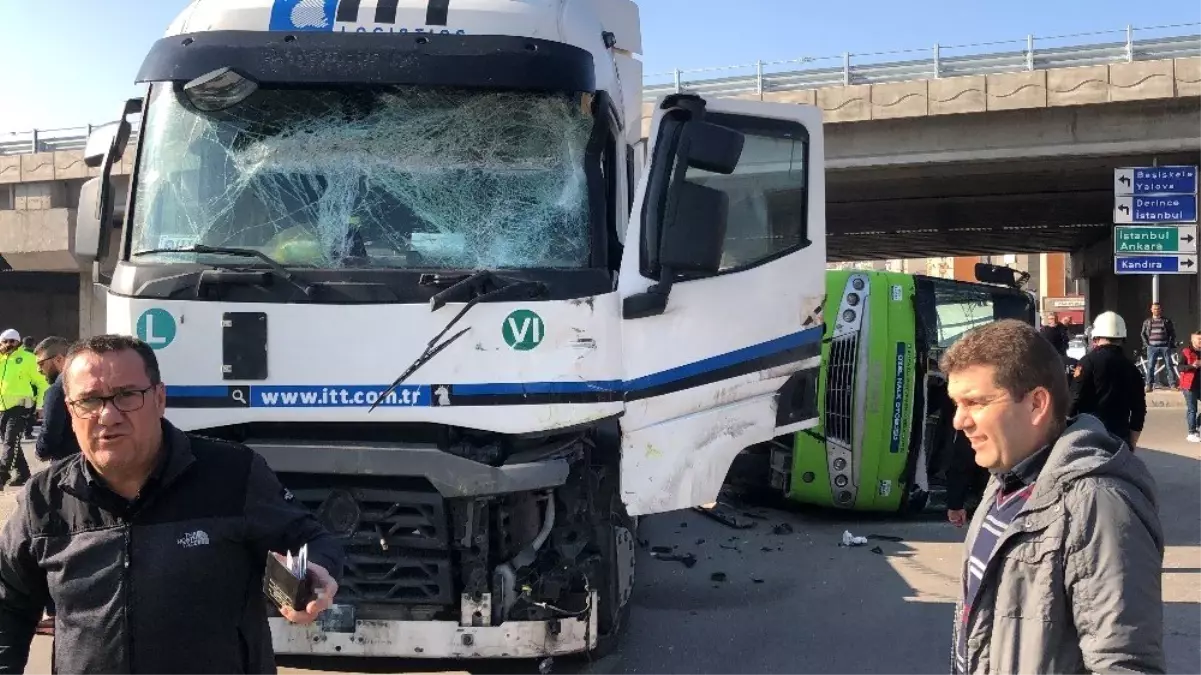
(722, 288)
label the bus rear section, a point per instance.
(884, 440)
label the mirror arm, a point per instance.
(651, 302)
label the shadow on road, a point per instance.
(341, 664)
(1176, 480)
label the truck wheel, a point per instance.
(613, 576)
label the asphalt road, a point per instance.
(797, 602)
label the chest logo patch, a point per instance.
(194, 539)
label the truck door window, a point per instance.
(767, 192)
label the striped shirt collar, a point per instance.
(1025, 472)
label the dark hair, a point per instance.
(53, 346)
(105, 344)
(27, 342)
(1024, 361)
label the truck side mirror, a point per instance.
(691, 225)
(99, 142)
(110, 138)
(95, 212)
(693, 228)
(87, 221)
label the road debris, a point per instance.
(782, 528)
(724, 515)
(885, 537)
(877, 550)
(717, 576)
(688, 559)
(662, 549)
(849, 539)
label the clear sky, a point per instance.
(81, 55)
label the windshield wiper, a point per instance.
(485, 284)
(275, 265)
(473, 290)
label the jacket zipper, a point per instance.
(127, 585)
(2, 374)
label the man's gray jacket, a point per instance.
(1074, 585)
(169, 583)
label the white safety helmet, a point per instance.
(10, 334)
(1109, 325)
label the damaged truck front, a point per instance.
(406, 251)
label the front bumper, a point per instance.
(440, 639)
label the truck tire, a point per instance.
(615, 534)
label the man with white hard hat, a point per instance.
(1107, 384)
(21, 390)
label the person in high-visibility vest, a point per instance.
(22, 388)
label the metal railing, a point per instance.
(50, 140)
(1036, 53)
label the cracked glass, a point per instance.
(392, 177)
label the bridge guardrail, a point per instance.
(812, 73)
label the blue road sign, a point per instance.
(1155, 180)
(1156, 209)
(1155, 264)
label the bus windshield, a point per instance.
(951, 308)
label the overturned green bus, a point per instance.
(884, 438)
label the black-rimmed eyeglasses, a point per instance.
(125, 401)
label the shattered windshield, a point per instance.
(391, 177)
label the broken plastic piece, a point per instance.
(687, 559)
(849, 539)
(782, 528)
(724, 515)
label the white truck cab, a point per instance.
(408, 251)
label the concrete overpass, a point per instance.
(1018, 160)
(988, 154)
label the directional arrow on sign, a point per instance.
(1187, 238)
(1154, 264)
(1124, 179)
(1123, 208)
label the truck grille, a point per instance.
(840, 388)
(397, 541)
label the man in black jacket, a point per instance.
(1107, 385)
(1056, 333)
(152, 542)
(57, 440)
